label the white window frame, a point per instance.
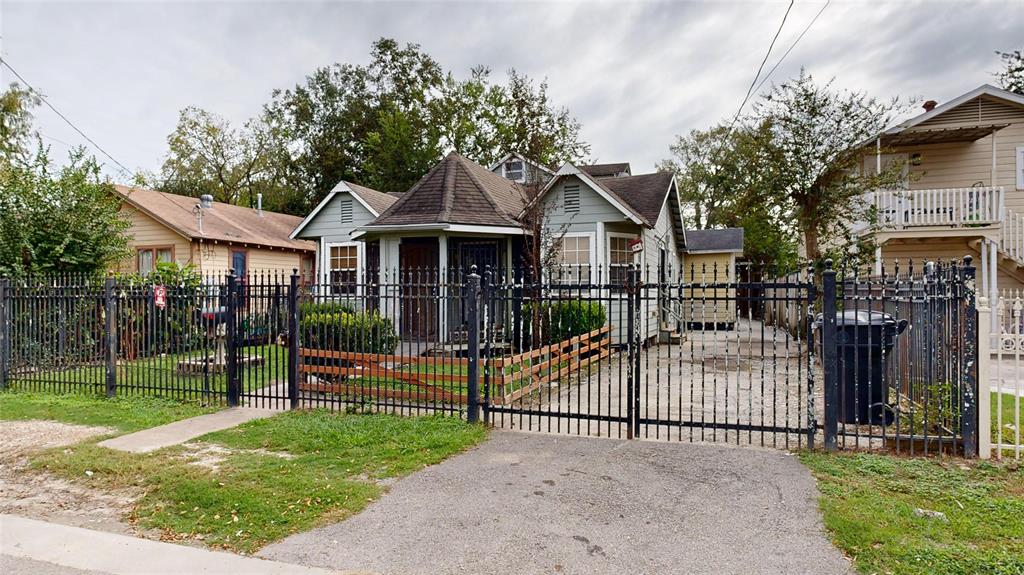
(592, 251)
(1020, 167)
(325, 261)
(522, 169)
(608, 250)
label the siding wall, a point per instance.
(327, 224)
(698, 307)
(961, 164)
(147, 232)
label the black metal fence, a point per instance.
(706, 353)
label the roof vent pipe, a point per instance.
(929, 105)
(206, 201)
(259, 204)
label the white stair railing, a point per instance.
(1011, 237)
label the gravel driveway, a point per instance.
(535, 503)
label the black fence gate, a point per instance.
(729, 353)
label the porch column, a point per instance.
(993, 265)
(878, 260)
(443, 277)
(983, 264)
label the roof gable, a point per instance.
(457, 191)
(983, 96)
(375, 202)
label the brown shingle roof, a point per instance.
(379, 201)
(222, 222)
(644, 194)
(605, 170)
(457, 191)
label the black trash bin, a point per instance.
(864, 340)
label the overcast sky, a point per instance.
(634, 74)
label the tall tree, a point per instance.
(209, 156)
(818, 135)
(329, 118)
(718, 172)
(1012, 76)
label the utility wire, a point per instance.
(63, 117)
(753, 82)
(793, 45)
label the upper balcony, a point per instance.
(944, 208)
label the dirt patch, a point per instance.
(211, 456)
(40, 495)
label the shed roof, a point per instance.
(706, 241)
(222, 222)
(457, 191)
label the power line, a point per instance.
(793, 45)
(63, 117)
(753, 82)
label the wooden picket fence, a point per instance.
(444, 379)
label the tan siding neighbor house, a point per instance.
(964, 191)
(213, 238)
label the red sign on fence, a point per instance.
(160, 296)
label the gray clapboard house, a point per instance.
(462, 214)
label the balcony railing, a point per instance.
(945, 207)
(1011, 238)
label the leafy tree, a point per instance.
(1012, 77)
(328, 120)
(209, 156)
(718, 172)
(399, 152)
(16, 105)
(815, 139)
(55, 220)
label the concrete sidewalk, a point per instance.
(179, 432)
(35, 547)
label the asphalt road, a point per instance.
(534, 503)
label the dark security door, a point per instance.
(418, 258)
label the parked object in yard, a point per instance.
(864, 340)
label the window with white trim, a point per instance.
(1020, 167)
(346, 211)
(344, 269)
(573, 259)
(514, 170)
(571, 199)
(620, 256)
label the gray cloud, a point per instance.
(635, 74)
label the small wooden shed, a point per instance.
(710, 260)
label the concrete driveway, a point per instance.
(534, 503)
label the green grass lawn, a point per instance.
(159, 375)
(869, 500)
(281, 475)
(1009, 436)
(125, 414)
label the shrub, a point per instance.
(311, 307)
(362, 332)
(561, 320)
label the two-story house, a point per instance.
(964, 190)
